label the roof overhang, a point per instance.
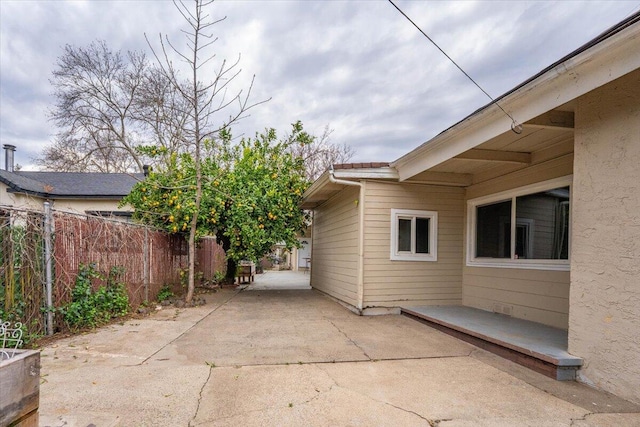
(325, 187)
(62, 196)
(542, 105)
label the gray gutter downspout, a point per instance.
(360, 284)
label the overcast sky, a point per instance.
(358, 66)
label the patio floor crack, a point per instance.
(195, 415)
(335, 362)
(261, 410)
(583, 418)
(432, 423)
(351, 340)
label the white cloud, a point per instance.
(358, 66)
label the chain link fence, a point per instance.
(148, 258)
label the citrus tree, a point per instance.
(250, 194)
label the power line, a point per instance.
(515, 126)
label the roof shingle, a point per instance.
(71, 184)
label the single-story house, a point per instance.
(536, 219)
(89, 193)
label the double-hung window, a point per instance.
(523, 228)
(414, 235)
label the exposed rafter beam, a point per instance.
(495, 156)
(443, 178)
(553, 120)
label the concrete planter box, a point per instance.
(20, 389)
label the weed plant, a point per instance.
(89, 309)
(165, 293)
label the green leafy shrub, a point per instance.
(219, 276)
(165, 293)
(89, 309)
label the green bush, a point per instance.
(89, 309)
(219, 276)
(165, 293)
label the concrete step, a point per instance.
(539, 347)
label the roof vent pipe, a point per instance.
(9, 151)
(145, 170)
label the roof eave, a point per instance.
(318, 192)
(601, 63)
(316, 186)
(53, 196)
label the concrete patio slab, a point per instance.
(235, 361)
(303, 395)
(283, 280)
(143, 395)
(392, 337)
(276, 327)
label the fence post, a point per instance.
(48, 222)
(145, 266)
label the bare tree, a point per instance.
(210, 108)
(162, 111)
(321, 154)
(68, 154)
(95, 89)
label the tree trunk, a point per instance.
(191, 287)
(230, 276)
(197, 147)
(231, 271)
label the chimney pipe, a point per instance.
(8, 156)
(146, 169)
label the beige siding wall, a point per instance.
(538, 295)
(335, 246)
(604, 324)
(394, 283)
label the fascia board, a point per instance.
(348, 174)
(351, 174)
(581, 74)
(370, 173)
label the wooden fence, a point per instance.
(148, 258)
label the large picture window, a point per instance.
(526, 227)
(413, 235)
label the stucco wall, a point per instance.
(604, 320)
(80, 206)
(19, 200)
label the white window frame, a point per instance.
(534, 264)
(397, 214)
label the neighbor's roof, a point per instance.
(370, 165)
(71, 185)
